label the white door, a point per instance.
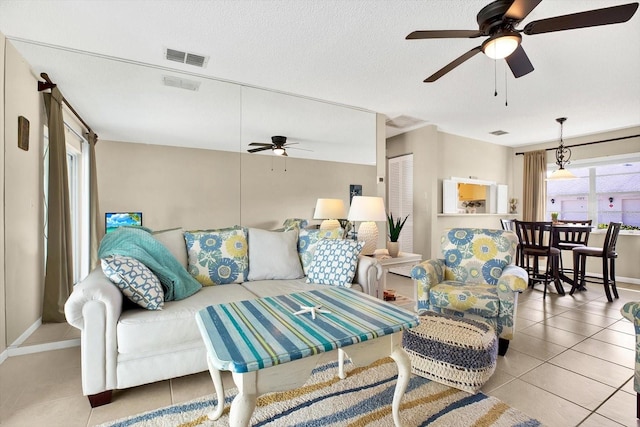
(400, 196)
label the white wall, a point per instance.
(3, 312)
(23, 205)
(437, 156)
(200, 189)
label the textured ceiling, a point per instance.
(107, 57)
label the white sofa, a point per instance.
(126, 347)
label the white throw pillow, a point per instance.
(273, 255)
(173, 240)
(334, 262)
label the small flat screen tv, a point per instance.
(113, 220)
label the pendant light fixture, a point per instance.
(563, 154)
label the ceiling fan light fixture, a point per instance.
(279, 151)
(502, 44)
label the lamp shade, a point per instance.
(364, 208)
(561, 173)
(329, 209)
(368, 210)
(501, 45)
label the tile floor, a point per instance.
(571, 363)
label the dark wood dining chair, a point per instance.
(567, 238)
(510, 225)
(608, 254)
(536, 244)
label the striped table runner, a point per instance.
(249, 335)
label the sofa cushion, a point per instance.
(480, 299)
(173, 240)
(273, 255)
(334, 262)
(218, 257)
(135, 280)
(308, 240)
(141, 331)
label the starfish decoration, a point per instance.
(312, 310)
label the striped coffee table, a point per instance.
(267, 347)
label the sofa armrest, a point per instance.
(425, 275)
(368, 273)
(94, 307)
(429, 272)
(631, 312)
(514, 278)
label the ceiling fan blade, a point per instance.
(519, 62)
(301, 149)
(453, 64)
(519, 9)
(444, 34)
(290, 143)
(591, 18)
(261, 144)
(255, 150)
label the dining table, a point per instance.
(572, 229)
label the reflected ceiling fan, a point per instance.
(278, 145)
(498, 21)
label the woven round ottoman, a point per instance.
(458, 352)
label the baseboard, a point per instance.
(38, 348)
(26, 334)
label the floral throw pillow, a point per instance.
(294, 223)
(308, 240)
(335, 262)
(218, 257)
(135, 280)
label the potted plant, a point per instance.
(395, 227)
(554, 217)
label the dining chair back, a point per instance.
(536, 244)
(570, 234)
(508, 224)
(607, 253)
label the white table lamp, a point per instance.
(368, 210)
(330, 210)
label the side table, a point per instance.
(403, 259)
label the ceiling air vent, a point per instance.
(186, 58)
(498, 132)
(181, 83)
(403, 122)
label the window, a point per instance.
(78, 175)
(606, 190)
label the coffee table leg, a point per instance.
(216, 377)
(404, 373)
(244, 403)
(341, 355)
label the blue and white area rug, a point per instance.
(362, 399)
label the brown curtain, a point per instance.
(94, 209)
(58, 281)
(535, 189)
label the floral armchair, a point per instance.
(631, 312)
(476, 279)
